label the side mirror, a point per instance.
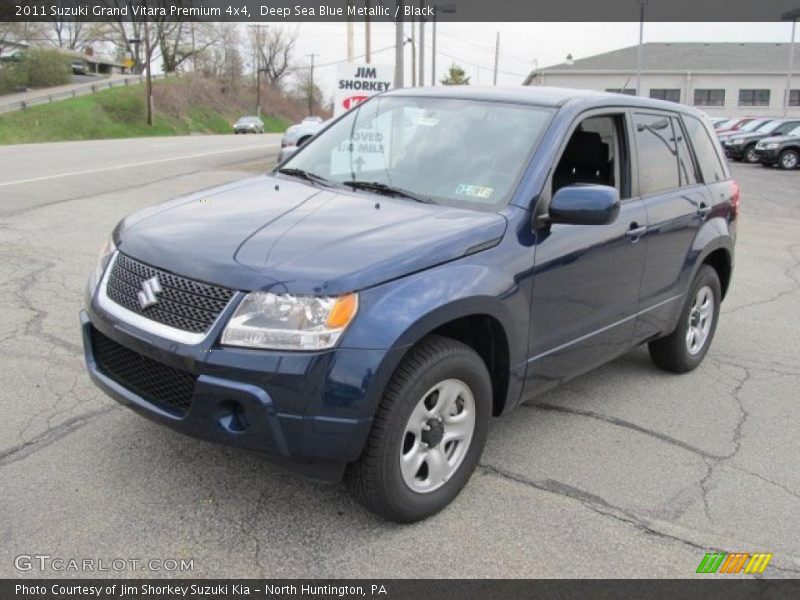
(584, 205)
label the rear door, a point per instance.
(677, 203)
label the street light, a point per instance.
(792, 16)
(639, 49)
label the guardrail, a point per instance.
(83, 90)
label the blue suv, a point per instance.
(433, 258)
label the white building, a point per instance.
(721, 79)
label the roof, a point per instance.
(541, 96)
(723, 57)
(90, 58)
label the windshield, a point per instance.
(449, 151)
(769, 127)
(784, 128)
(753, 125)
(795, 131)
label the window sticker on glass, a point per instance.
(475, 191)
(426, 121)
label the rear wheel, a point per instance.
(428, 434)
(789, 159)
(684, 349)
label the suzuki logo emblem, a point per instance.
(147, 296)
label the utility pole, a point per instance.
(413, 55)
(433, 48)
(367, 35)
(421, 46)
(788, 98)
(639, 49)
(311, 87)
(259, 41)
(399, 47)
(148, 82)
(496, 56)
(349, 32)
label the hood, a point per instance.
(277, 233)
(750, 135)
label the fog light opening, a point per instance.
(233, 418)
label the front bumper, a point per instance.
(767, 157)
(310, 412)
(735, 152)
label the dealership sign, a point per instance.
(356, 83)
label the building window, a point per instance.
(673, 95)
(753, 97)
(709, 97)
(626, 91)
(794, 97)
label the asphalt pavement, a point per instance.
(624, 472)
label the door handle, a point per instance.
(703, 209)
(636, 231)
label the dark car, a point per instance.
(742, 146)
(363, 310)
(780, 150)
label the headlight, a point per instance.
(771, 146)
(737, 142)
(286, 322)
(106, 252)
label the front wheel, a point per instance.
(684, 349)
(428, 433)
(750, 155)
(789, 159)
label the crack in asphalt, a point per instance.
(545, 406)
(788, 272)
(595, 503)
(50, 436)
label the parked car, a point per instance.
(743, 145)
(78, 67)
(746, 128)
(248, 125)
(298, 134)
(364, 309)
(719, 122)
(781, 150)
(733, 125)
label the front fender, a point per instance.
(396, 315)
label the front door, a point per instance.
(586, 277)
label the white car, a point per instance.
(298, 134)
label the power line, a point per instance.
(489, 49)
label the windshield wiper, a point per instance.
(382, 188)
(308, 176)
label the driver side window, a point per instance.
(594, 154)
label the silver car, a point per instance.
(299, 134)
(248, 125)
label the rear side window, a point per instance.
(704, 150)
(655, 145)
(686, 170)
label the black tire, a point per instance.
(376, 480)
(671, 353)
(749, 155)
(785, 158)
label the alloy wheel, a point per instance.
(701, 317)
(437, 436)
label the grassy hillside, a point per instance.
(182, 106)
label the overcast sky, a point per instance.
(471, 45)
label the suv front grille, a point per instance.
(183, 303)
(154, 381)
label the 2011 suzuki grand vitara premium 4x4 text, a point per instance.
(431, 259)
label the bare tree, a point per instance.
(18, 32)
(272, 50)
(179, 41)
(127, 34)
(74, 35)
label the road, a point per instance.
(80, 85)
(624, 472)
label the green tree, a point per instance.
(41, 68)
(455, 76)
